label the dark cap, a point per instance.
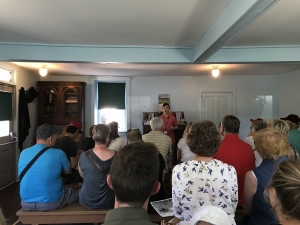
(47, 130)
(292, 118)
(254, 120)
(76, 124)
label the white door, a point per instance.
(216, 105)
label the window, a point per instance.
(4, 131)
(5, 75)
(108, 115)
(112, 103)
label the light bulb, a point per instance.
(43, 71)
(215, 72)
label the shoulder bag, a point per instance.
(32, 162)
(92, 160)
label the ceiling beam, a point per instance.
(64, 53)
(260, 54)
(235, 18)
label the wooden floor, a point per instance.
(10, 202)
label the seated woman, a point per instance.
(183, 151)
(116, 142)
(283, 127)
(95, 193)
(256, 126)
(88, 142)
(203, 180)
(273, 147)
(283, 193)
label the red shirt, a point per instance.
(169, 121)
(239, 154)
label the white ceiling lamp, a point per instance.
(43, 71)
(215, 72)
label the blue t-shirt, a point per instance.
(42, 183)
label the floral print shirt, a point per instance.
(198, 183)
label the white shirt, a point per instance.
(117, 144)
(196, 183)
(249, 140)
(186, 154)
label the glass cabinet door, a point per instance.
(70, 102)
(49, 109)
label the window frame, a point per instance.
(94, 92)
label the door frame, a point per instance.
(234, 111)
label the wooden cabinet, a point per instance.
(147, 116)
(60, 102)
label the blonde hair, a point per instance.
(270, 143)
(187, 129)
(286, 182)
(279, 125)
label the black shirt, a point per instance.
(66, 144)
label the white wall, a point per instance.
(184, 91)
(289, 91)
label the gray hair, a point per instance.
(100, 133)
(156, 123)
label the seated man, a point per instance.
(235, 152)
(133, 189)
(41, 186)
(294, 134)
(162, 141)
(67, 143)
(134, 135)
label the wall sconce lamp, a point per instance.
(43, 71)
(215, 72)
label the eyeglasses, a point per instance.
(132, 129)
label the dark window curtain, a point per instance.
(6, 106)
(111, 95)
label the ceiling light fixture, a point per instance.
(215, 72)
(43, 71)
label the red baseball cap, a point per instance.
(254, 120)
(76, 124)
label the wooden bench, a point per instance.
(72, 213)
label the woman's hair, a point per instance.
(279, 125)
(91, 130)
(203, 138)
(258, 125)
(187, 129)
(101, 133)
(286, 182)
(114, 130)
(270, 143)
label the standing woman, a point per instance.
(203, 180)
(95, 193)
(273, 147)
(183, 151)
(116, 142)
(283, 192)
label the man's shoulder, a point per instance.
(126, 216)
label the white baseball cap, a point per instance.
(211, 214)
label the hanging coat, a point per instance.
(24, 119)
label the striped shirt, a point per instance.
(162, 142)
